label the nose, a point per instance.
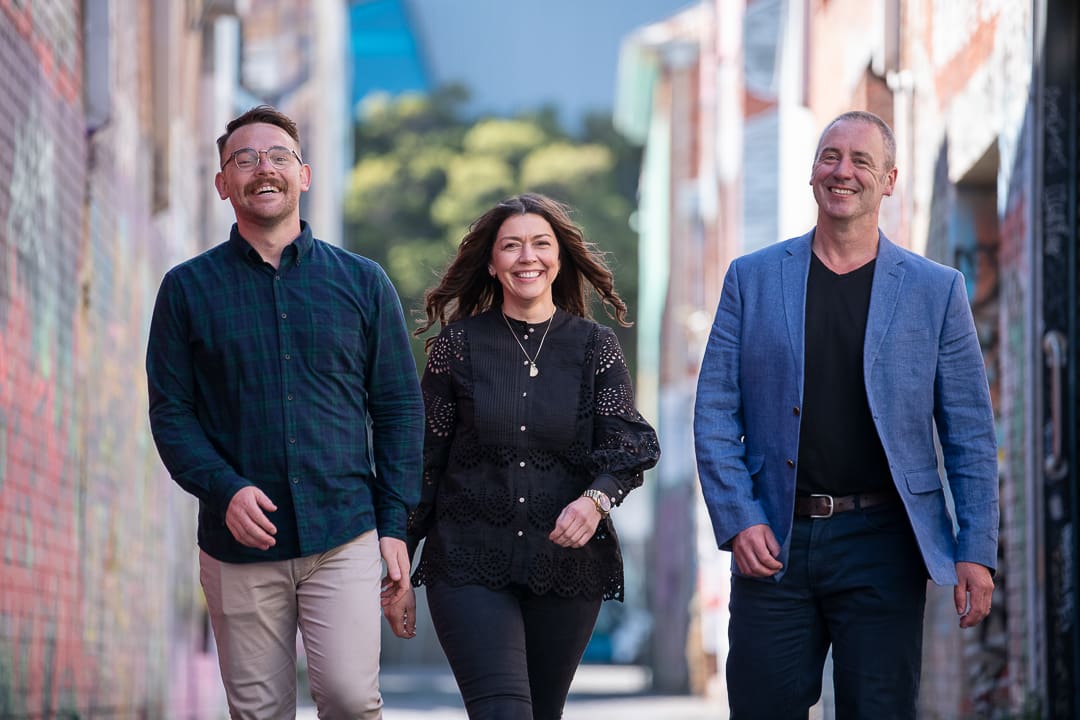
(844, 167)
(264, 159)
(528, 254)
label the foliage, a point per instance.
(423, 174)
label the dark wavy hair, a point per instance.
(260, 114)
(466, 288)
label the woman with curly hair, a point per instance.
(532, 440)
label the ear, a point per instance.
(305, 177)
(491, 270)
(890, 182)
(222, 188)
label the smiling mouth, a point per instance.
(528, 274)
(841, 191)
(266, 190)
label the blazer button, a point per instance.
(790, 463)
(795, 411)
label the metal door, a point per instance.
(1057, 220)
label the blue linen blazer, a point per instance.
(923, 369)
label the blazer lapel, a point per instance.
(793, 273)
(888, 277)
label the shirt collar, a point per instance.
(301, 245)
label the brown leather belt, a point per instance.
(823, 506)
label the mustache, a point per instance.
(254, 185)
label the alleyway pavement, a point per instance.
(599, 692)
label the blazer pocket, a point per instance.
(754, 463)
(923, 481)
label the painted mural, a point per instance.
(99, 614)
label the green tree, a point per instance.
(422, 174)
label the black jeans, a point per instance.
(513, 653)
(855, 581)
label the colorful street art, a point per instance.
(99, 611)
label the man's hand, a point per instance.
(401, 614)
(756, 550)
(246, 520)
(396, 583)
(973, 592)
(576, 524)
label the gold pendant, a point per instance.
(533, 372)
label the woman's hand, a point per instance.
(576, 524)
(401, 614)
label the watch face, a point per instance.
(605, 502)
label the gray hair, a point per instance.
(865, 116)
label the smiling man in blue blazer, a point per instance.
(832, 359)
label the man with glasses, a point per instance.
(283, 395)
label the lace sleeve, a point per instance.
(440, 410)
(624, 444)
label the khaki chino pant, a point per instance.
(333, 597)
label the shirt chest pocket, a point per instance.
(336, 340)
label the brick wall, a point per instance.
(99, 611)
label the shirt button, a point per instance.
(521, 464)
(292, 441)
(524, 337)
(296, 480)
(521, 500)
(522, 428)
(288, 356)
(524, 394)
(284, 315)
(289, 396)
(520, 533)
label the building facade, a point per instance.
(109, 111)
(985, 113)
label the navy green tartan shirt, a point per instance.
(298, 380)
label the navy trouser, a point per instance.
(513, 653)
(855, 581)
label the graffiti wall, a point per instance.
(98, 611)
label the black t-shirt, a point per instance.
(840, 452)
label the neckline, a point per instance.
(529, 323)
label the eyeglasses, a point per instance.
(247, 159)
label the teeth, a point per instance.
(528, 275)
(842, 191)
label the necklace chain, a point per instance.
(530, 361)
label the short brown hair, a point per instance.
(466, 288)
(260, 114)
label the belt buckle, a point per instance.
(832, 505)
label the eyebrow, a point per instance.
(854, 154)
(519, 237)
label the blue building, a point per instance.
(511, 55)
(385, 54)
